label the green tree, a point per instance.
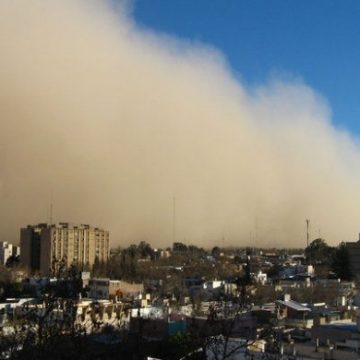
(145, 250)
(179, 247)
(215, 252)
(13, 261)
(341, 263)
(196, 251)
(318, 252)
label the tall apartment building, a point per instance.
(43, 245)
(353, 249)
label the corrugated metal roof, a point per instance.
(293, 305)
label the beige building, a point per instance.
(104, 288)
(45, 245)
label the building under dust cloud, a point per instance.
(110, 122)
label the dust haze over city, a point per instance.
(111, 122)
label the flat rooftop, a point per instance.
(352, 327)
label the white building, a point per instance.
(260, 277)
(104, 288)
(7, 250)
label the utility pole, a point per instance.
(174, 219)
(51, 214)
(307, 232)
(308, 239)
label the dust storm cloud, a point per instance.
(110, 122)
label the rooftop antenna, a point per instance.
(308, 238)
(307, 232)
(174, 219)
(51, 214)
(255, 241)
(256, 229)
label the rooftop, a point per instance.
(342, 326)
(293, 305)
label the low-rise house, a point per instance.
(242, 325)
(145, 300)
(88, 313)
(154, 312)
(336, 333)
(10, 307)
(214, 284)
(297, 269)
(312, 350)
(294, 314)
(155, 322)
(156, 328)
(271, 257)
(93, 315)
(104, 288)
(260, 277)
(296, 282)
(298, 258)
(325, 315)
(213, 288)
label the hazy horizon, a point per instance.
(109, 122)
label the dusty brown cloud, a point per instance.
(109, 121)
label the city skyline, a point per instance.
(110, 121)
(179, 179)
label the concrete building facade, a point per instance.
(7, 250)
(104, 288)
(46, 245)
(353, 249)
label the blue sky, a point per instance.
(318, 41)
